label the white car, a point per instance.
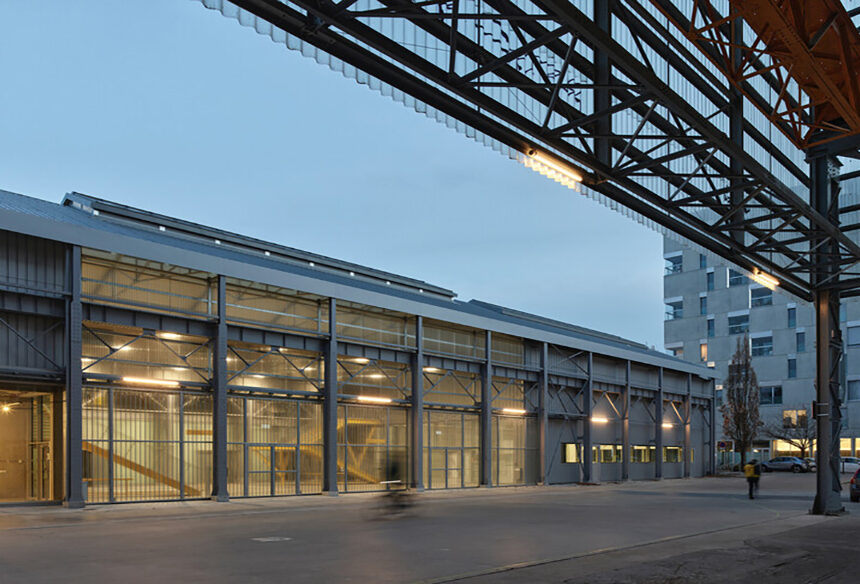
(849, 464)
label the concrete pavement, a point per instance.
(529, 534)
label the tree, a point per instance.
(798, 430)
(741, 421)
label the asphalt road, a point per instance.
(483, 534)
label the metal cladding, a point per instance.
(196, 363)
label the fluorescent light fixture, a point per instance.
(667, 425)
(169, 336)
(433, 370)
(376, 375)
(599, 420)
(361, 360)
(513, 411)
(553, 168)
(765, 280)
(374, 400)
(156, 382)
(6, 408)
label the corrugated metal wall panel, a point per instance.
(32, 262)
(44, 332)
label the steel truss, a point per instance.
(545, 78)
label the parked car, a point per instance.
(791, 463)
(854, 487)
(811, 463)
(849, 464)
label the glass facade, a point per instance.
(144, 445)
(372, 446)
(514, 450)
(452, 454)
(275, 446)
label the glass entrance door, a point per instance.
(446, 468)
(272, 470)
(26, 432)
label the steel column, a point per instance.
(330, 404)
(487, 416)
(219, 390)
(625, 425)
(543, 414)
(828, 346)
(587, 406)
(418, 407)
(74, 382)
(658, 426)
(688, 418)
(712, 430)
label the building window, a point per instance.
(710, 281)
(569, 453)
(718, 396)
(794, 418)
(703, 305)
(703, 261)
(606, 453)
(853, 335)
(770, 395)
(843, 313)
(792, 317)
(674, 310)
(761, 297)
(678, 352)
(642, 453)
(673, 454)
(801, 342)
(674, 264)
(739, 324)
(703, 351)
(711, 328)
(792, 368)
(854, 390)
(761, 346)
(736, 278)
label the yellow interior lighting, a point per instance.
(433, 370)
(667, 425)
(6, 408)
(599, 420)
(374, 400)
(155, 382)
(513, 411)
(765, 280)
(552, 168)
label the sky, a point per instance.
(170, 107)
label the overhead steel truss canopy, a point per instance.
(640, 116)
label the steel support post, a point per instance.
(330, 404)
(487, 416)
(828, 345)
(74, 382)
(219, 390)
(688, 418)
(625, 425)
(712, 429)
(543, 414)
(587, 407)
(658, 426)
(736, 135)
(418, 407)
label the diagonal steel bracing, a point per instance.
(544, 77)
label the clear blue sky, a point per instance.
(171, 107)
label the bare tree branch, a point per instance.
(741, 421)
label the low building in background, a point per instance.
(148, 358)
